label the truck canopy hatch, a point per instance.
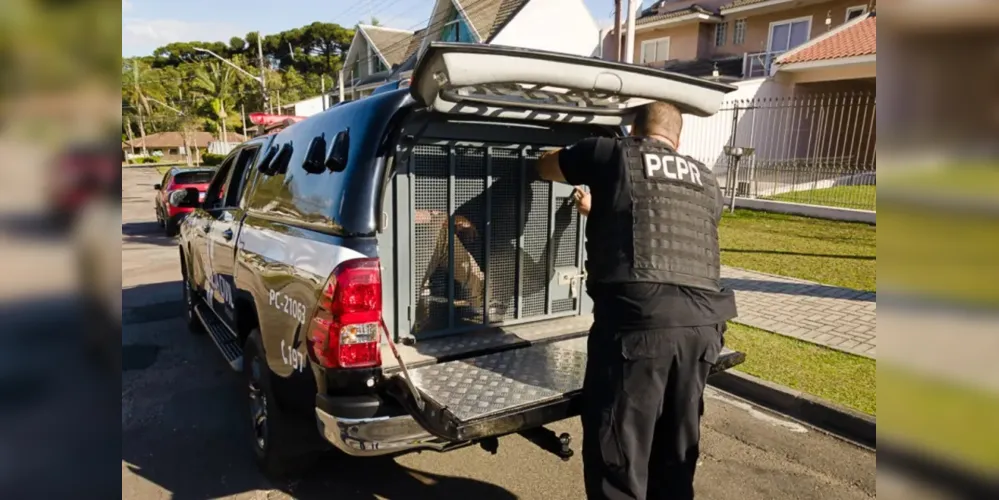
(516, 83)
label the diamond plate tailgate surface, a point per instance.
(487, 385)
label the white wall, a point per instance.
(554, 25)
(705, 138)
(309, 107)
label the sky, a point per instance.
(148, 24)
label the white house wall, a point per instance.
(705, 138)
(309, 107)
(554, 25)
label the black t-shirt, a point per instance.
(596, 163)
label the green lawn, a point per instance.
(826, 373)
(942, 418)
(830, 252)
(973, 180)
(948, 256)
(856, 197)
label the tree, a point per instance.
(212, 83)
(134, 95)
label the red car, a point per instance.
(169, 216)
(80, 173)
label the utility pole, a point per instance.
(629, 44)
(322, 89)
(618, 46)
(339, 80)
(138, 93)
(242, 112)
(263, 74)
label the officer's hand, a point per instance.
(582, 200)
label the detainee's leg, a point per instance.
(676, 449)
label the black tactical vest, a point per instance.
(670, 235)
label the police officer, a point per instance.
(658, 305)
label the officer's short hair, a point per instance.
(660, 117)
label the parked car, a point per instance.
(392, 276)
(80, 173)
(178, 179)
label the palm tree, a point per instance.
(213, 83)
(134, 94)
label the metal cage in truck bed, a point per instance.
(480, 239)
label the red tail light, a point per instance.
(346, 328)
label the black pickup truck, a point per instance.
(391, 275)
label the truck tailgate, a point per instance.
(501, 384)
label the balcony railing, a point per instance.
(759, 64)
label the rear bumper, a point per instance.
(376, 436)
(177, 212)
(358, 428)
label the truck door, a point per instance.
(227, 218)
(200, 222)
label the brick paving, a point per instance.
(836, 317)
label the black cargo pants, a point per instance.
(642, 410)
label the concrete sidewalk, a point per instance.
(840, 318)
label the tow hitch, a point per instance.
(547, 440)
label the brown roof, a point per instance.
(162, 140)
(741, 3)
(686, 11)
(507, 9)
(852, 40)
(488, 17)
(393, 44)
(414, 43)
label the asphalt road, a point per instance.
(185, 425)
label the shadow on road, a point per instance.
(34, 226)
(186, 425)
(805, 289)
(149, 233)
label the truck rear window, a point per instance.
(194, 177)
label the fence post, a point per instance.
(733, 165)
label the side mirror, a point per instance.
(185, 198)
(157, 187)
(315, 158)
(337, 160)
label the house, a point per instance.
(374, 52)
(940, 99)
(171, 146)
(739, 39)
(379, 55)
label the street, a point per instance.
(185, 424)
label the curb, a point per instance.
(828, 416)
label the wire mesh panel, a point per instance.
(431, 253)
(487, 241)
(467, 244)
(505, 209)
(534, 257)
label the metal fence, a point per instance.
(809, 148)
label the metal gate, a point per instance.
(491, 243)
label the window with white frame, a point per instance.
(739, 32)
(721, 34)
(655, 50)
(788, 34)
(855, 12)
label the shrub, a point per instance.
(149, 159)
(211, 160)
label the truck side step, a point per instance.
(225, 340)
